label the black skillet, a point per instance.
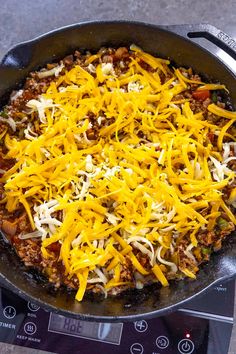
(166, 41)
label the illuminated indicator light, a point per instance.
(188, 335)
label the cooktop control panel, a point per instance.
(191, 330)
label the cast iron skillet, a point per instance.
(168, 41)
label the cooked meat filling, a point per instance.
(117, 170)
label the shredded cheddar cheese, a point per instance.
(147, 175)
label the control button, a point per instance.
(32, 306)
(185, 346)
(136, 348)
(162, 342)
(141, 326)
(9, 312)
(30, 328)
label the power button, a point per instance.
(185, 346)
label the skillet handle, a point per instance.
(209, 32)
(18, 57)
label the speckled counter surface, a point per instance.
(21, 20)
(24, 19)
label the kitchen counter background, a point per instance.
(22, 20)
(25, 19)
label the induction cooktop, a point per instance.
(203, 326)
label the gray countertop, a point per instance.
(25, 19)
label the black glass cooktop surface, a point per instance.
(203, 327)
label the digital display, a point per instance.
(103, 332)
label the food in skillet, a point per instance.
(117, 170)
